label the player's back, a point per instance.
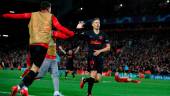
(40, 27)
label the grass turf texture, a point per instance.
(70, 87)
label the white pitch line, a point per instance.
(9, 92)
(107, 81)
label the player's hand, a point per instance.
(80, 25)
(12, 12)
(96, 52)
(1, 14)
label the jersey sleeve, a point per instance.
(17, 16)
(58, 26)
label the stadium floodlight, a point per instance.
(121, 5)
(4, 35)
(81, 8)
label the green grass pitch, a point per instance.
(70, 87)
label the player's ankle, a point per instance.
(25, 87)
(18, 87)
(56, 93)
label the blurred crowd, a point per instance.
(134, 52)
(12, 57)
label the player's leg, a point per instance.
(95, 74)
(55, 77)
(125, 79)
(90, 68)
(73, 73)
(91, 80)
(66, 73)
(29, 64)
(72, 70)
(37, 55)
(116, 76)
(24, 84)
(99, 68)
(135, 81)
(25, 72)
(43, 69)
(67, 69)
(120, 79)
(98, 77)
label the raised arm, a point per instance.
(80, 31)
(77, 49)
(62, 50)
(17, 16)
(58, 26)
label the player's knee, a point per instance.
(129, 79)
(35, 68)
(97, 80)
(55, 75)
(93, 74)
(98, 77)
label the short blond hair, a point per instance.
(95, 19)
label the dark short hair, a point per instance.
(45, 5)
(95, 19)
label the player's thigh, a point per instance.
(99, 76)
(99, 66)
(34, 68)
(37, 54)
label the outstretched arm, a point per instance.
(62, 50)
(17, 16)
(58, 26)
(77, 49)
(80, 32)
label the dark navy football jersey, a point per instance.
(95, 41)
